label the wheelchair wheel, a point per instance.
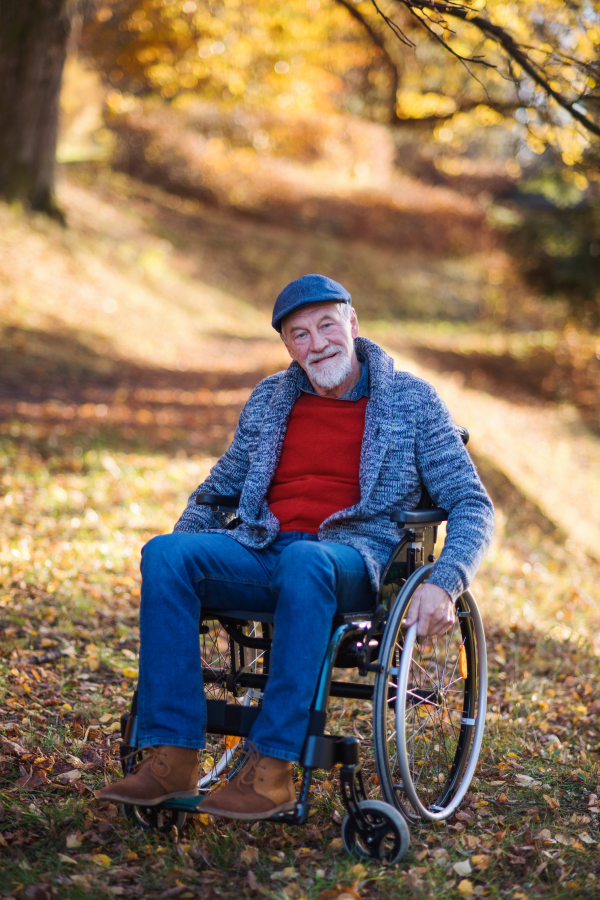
(151, 819)
(390, 841)
(222, 756)
(429, 709)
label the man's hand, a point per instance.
(432, 609)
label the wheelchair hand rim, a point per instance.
(403, 763)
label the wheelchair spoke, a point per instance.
(411, 738)
(221, 756)
(438, 706)
(434, 707)
(437, 748)
(424, 672)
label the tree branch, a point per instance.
(379, 42)
(501, 37)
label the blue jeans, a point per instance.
(302, 580)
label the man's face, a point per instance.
(320, 338)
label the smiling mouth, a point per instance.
(324, 358)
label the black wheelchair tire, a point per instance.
(392, 827)
(154, 818)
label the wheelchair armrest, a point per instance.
(426, 515)
(219, 502)
(415, 517)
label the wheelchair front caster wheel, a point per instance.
(386, 839)
(155, 819)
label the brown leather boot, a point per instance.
(164, 773)
(262, 788)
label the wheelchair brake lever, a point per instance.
(364, 654)
(378, 620)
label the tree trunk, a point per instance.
(33, 46)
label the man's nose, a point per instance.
(318, 342)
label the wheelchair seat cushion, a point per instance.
(242, 614)
(269, 618)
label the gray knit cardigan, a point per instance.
(409, 440)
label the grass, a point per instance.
(123, 372)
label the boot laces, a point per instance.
(249, 765)
(152, 755)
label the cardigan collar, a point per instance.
(378, 417)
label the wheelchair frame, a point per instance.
(358, 640)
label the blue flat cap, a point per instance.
(305, 290)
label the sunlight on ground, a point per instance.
(112, 285)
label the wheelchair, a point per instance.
(428, 698)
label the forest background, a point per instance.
(208, 153)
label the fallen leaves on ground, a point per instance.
(80, 494)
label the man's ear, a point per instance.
(354, 325)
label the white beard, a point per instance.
(329, 375)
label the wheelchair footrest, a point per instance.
(189, 805)
(328, 750)
(227, 718)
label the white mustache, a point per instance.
(315, 357)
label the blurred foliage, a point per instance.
(334, 174)
(555, 241)
(559, 253)
(257, 107)
(536, 60)
(293, 56)
(309, 55)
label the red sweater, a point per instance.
(318, 471)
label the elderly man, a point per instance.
(323, 452)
